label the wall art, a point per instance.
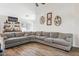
(42, 20)
(57, 20)
(49, 18)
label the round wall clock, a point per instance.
(57, 21)
(42, 20)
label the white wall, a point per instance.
(24, 11)
(70, 19)
(26, 24)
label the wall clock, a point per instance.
(57, 21)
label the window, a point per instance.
(27, 26)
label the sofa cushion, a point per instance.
(31, 36)
(46, 34)
(38, 33)
(30, 33)
(61, 42)
(49, 39)
(8, 34)
(40, 37)
(33, 33)
(15, 40)
(62, 36)
(19, 34)
(27, 33)
(5, 37)
(54, 34)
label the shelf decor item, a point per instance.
(57, 21)
(42, 20)
(49, 18)
(12, 25)
(12, 19)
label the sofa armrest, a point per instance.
(70, 40)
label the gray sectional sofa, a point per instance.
(54, 39)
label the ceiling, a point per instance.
(22, 10)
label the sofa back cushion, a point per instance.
(47, 34)
(39, 33)
(8, 35)
(19, 34)
(30, 33)
(27, 33)
(62, 36)
(54, 34)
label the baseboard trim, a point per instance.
(76, 46)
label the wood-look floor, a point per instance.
(37, 49)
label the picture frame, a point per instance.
(49, 18)
(42, 20)
(57, 21)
